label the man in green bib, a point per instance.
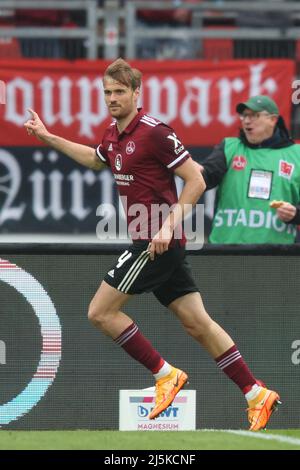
(258, 174)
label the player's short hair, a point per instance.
(121, 71)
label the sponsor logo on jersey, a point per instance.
(180, 149)
(239, 162)
(123, 180)
(130, 147)
(286, 169)
(118, 162)
(175, 139)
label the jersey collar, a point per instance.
(134, 122)
(131, 126)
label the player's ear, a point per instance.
(137, 92)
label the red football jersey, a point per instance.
(142, 159)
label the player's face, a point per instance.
(120, 100)
(258, 126)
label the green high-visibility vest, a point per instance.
(254, 178)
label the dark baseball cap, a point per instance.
(258, 103)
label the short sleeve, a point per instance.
(101, 153)
(168, 148)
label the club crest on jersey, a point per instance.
(239, 162)
(118, 162)
(130, 147)
(286, 169)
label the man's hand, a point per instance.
(286, 212)
(160, 242)
(35, 126)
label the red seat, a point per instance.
(297, 51)
(9, 48)
(219, 48)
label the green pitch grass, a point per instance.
(149, 440)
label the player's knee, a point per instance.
(96, 315)
(195, 332)
(206, 330)
(198, 328)
(92, 315)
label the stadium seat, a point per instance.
(9, 48)
(217, 49)
(297, 51)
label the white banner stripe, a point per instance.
(136, 275)
(127, 275)
(2, 92)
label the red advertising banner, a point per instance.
(197, 98)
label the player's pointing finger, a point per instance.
(33, 113)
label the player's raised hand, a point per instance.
(35, 126)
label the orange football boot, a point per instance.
(261, 408)
(166, 390)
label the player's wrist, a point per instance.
(43, 135)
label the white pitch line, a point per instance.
(267, 437)
(271, 437)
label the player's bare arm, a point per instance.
(198, 167)
(82, 154)
(193, 189)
